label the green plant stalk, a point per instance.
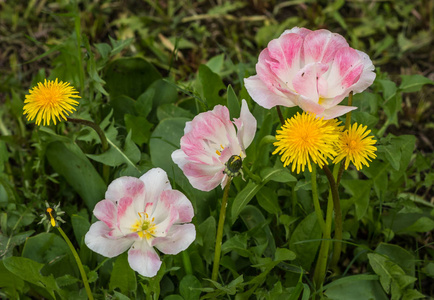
(187, 263)
(348, 115)
(102, 137)
(79, 264)
(321, 264)
(338, 218)
(315, 200)
(219, 237)
(279, 113)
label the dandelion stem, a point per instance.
(79, 264)
(338, 217)
(279, 113)
(315, 200)
(102, 137)
(218, 242)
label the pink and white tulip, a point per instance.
(139, 214)
(314, 70)
(209, 140)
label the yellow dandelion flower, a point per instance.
(49, 101)
(304, 138)
(356, 146)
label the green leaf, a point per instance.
(10, 284)
(284, 254)
(423, 224)
(256, 223)
(267, 199)
(115, 156)
(413, 83)
(388, 272)
(389, 88)
(360, 190)
(30, 271)
(233, 104)
(392, 152)
(80, 225)
(129, 76)
(357, 287)
(139, 127)
(45, 247)
(277, 174)
(304, 240)
(169, 111)
(210, 86)
(243, 198)
(399, 256)
(68, 160)
(206, 235)
(215, 64)
(122, 276)
(122, 105)
(236, 243)
(189, 287)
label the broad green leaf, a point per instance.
(30, 271)
(423, 224)
(304, 240)
(189, 287)
(115, 156)
(206, 235)
(360, 190)
(80, 225)
(277, 174)
(267, 199)
(398, 255)
(174, 297)
(243, 198)
(122, 105)
(284, 254)
(389, 88)
(233, 104)
(10, 284)
(129, 76)
(215, 64)
(169, 111)
(357, 287)
(413, 83)
(45, 247)
(122, 276)
(68, 160)
(237, 243)
(210, 86)
(139, 127)
(256, 223)
(144, 103)
(389, 273)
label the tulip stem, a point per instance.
(78, 261)
(219, 237)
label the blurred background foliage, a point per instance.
(144, 68)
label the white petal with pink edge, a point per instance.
(180, 203)
(125, 186)
(156, 181)
(97, 240)
(246, 126)
(178, 239)
(143, 259)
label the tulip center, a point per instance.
(144, 226)
(219, 151)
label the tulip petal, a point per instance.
(321, 46)
(263, 96)
(97, 239)
(336, 111)
(124, 187)
(155, 181)
(179, 202)
(106, 211)
(143, 259)
(178, 239)
(246, 126)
